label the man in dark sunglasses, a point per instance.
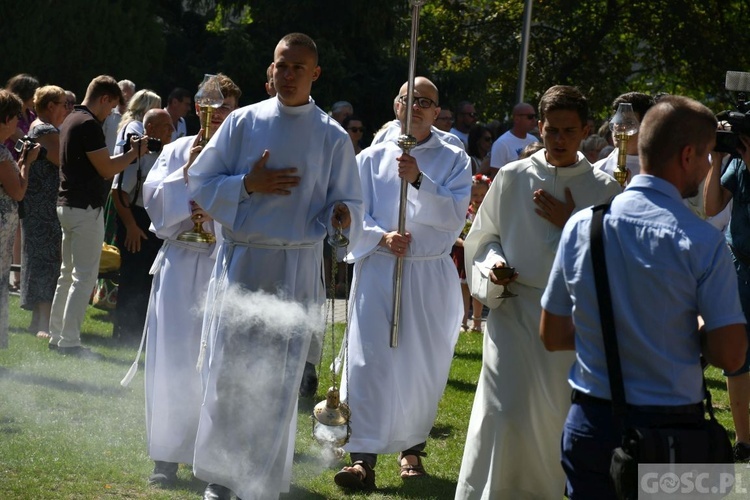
(508, 147)
(466, 117)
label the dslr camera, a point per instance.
(153, 145)
(29, 143)
(728, 141)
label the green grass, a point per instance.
(68, 430)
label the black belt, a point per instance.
(692, 409)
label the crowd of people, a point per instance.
(484, 208)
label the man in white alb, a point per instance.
(277, 175)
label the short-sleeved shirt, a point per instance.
(666, 266)
(81, 186)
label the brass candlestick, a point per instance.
(208, 98)
(624, 125)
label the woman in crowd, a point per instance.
(13, 180)
(480, 144)
(23, 86)
(40, 227)
(131, 123)
(356, 130)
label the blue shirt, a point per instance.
(666, 266)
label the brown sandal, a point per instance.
(356, 479)
(410, 471)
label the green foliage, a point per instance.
(470, 48)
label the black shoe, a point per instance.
(52, 347)
(164, 475)
(78, 351)
(216, 492)
(741, 452)
(309, 385)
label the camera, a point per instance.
(728, 141)
(29, 143)
(153, 145)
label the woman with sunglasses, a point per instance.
(356, 130)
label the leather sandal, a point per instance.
(356, 479)
(410, 471)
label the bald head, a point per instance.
(425, 108)
(423, 87)
(524, 119)
(158, 124)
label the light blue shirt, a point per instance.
(666, 266)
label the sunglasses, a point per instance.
(472, 114)
(356, 130)
(530, 116)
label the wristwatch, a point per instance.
(417, 182)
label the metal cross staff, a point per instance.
(406, 142)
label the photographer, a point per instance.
(42, 235)
(734, 185)
(138, 246)
(13, 182)
(86, 170)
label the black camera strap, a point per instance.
(138, 177)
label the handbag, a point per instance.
(706, 442)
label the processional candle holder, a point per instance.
(331, 417)
(624, 125)
(208, 98)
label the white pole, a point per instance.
(521, 89)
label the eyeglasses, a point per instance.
(422, 102)
(356, 130)
(530, 116)
(70, 104)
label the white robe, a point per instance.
(273, 244)
(394, 393)
(513, 441)
(175, 314)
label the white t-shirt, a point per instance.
(507, 148)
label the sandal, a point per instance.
(477, 326)
(410, 471)
(464, 327)
(362, 478)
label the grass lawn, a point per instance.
(68, 430)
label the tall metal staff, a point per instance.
(406, 142)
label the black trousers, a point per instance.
(134, 286)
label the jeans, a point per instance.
(590, 435)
